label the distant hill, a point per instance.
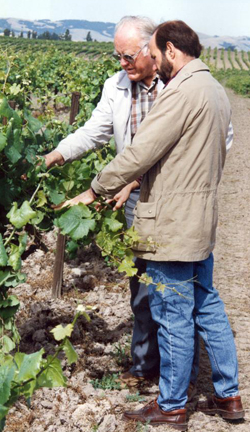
(100, 31)
(104, 31)
(239, 42)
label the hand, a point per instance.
(53, 158)
(122, 196)
(86, 198)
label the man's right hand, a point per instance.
(122, 196)
(54, 158)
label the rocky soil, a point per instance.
(103, 343)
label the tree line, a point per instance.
(45, 35)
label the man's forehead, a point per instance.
(152, 43)
(128, 32)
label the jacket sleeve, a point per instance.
(96, 132)
(158, 133)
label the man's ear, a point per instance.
(170, 49)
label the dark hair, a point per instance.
(181, 36)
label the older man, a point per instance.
(126, 99)
(180, 149)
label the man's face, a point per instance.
(164, 66)
(127, 41)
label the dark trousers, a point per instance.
(144, 347)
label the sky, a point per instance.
(212, 17)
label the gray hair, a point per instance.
(145, 26)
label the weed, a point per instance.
(136, 397)
(122, 354)
(107, 382)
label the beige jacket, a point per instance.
(180, 147)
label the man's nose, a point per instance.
(123, 62)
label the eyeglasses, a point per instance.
(129, 58)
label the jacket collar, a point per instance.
(123, 82)
(187, 71)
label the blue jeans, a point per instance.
(197, 304)
(144, 346)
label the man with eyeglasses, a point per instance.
(126, 99)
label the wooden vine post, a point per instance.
(60, 244)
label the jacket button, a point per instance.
(150, 211)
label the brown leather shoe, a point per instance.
(154, 415)
(229, 408)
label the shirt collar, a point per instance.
(152, 85)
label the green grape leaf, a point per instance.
(76, 222)
(3, 412)
(7, 372)
(16, 252)
(30, 366)
(133, 234)
(10, 301)
(3, 254)
(12, 153)
(56, 197)
(34, 124)
(41, 199)
(83, 229)
(15, 89)
(52, 376)
(8, 112)
(28, 389)
(9, 307)
(113, 224)
(8, 344)
(68, 185)
(60, 332)
(3, 141)
(18, 358)
(105, 242)
(38, 218)
(128, 266)
(70, 352)
(13, 279)
(160, 287)
(4, 276)
(146, 279)
(20, 217)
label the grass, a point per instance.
(121, 354)
(107, 382)
(136, 397)
(237, 80)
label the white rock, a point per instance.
(78, 271)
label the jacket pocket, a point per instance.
(144, 223)
(146, 210)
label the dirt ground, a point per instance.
(103, 343)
